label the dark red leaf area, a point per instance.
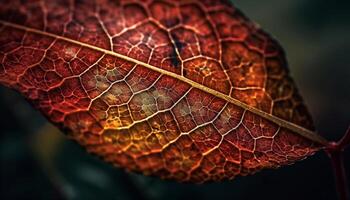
(147, 120)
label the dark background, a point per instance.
(37, 162)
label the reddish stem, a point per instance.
(335, 152)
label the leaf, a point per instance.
(191, 90)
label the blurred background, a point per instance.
(37, 162)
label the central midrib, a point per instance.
(281, 122)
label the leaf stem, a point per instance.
(335, 152)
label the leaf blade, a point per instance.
(83, 123)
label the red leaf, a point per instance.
(186, 90)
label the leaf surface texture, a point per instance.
(185, 90)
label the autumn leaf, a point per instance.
(185, 90)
